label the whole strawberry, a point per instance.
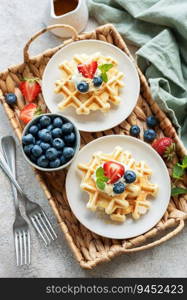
(165, 147)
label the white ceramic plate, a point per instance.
(95, 121)
(130, 228)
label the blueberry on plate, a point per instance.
(57, 122)
(11, 98)
(58, 143)
(45, 146)
(55, 163)
(67, 128)
(130, 176)
(151, 121)
(51, 153)
(45, 121)
(33, 129)
(50, 127)
(149, 135)
(119, 188)
(42, 161)
(36, 150)
(63, 160)
(45, 135)
(97, 81)
(68, 152)
(69, 139)
(27, 149)
(135, 130)
(59, 153)
(28, 139)
(83, 87)
(56, 132)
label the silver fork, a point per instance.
(33, 210)
(20, 226)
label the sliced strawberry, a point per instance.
(28, 112)
(30, 88)
(165, 147)
(88, 70)
(113, 170)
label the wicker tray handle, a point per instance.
(157, 242)
(36, 35)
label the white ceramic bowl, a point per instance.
(77, 146)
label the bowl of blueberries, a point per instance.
(50, 142)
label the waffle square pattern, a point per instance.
(98, 99)
(134, 201)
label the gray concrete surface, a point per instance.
(18, 21)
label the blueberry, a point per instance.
(83, 87)
(57, 122)
(51, 153)
(45, 135)
(135, 130)
(67, 128)
(68, 152)
(42, 161)
(63, 160)
(50, 127)
(57, 132)
(10, 98)
(36, 150)
(119, 188)
(33, 129)
(45, 121)
(69, 139)
(45, 146)
(58, 143)
(28, 139)
(97, 81)
(149, 135)
(130, 176)
(27, 149)
(151, 121)
(55, 163)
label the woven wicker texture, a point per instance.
(89, 248)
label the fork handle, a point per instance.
(7, 171)
(9, 151)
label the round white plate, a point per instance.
(95, 121)
(130, 228)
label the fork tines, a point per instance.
(42, 225)
(22, 247)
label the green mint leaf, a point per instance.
(104, 77)
(105, 67)
(178, 171)
(104, 178)
(99, 172)
(184, 162)
(178, 191)
(100, 184)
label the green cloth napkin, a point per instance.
(159, 28)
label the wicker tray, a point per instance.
(89, 248)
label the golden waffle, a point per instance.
(99, 99)
(133, 200)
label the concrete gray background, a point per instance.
(18, 21)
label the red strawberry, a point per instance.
(30, 88)
(88, 70)
(165, 147)
(113, 170)
(28, 112)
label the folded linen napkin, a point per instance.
(159, 29)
